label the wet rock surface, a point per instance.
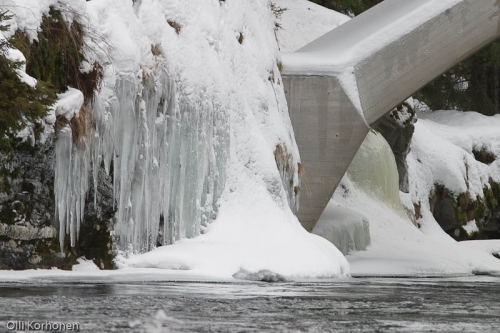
(453, 212)
(397, 129)
(29, 236)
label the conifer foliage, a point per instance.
(472, 85)
(20, 104)
(54, 59)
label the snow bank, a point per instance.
(470, 131)
(397, 246)
(489, 246)
(249, 236)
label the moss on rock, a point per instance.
(454, 212)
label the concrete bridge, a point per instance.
(343, 82)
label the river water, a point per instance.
(438, 304)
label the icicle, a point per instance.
(64, 147)
(71, 185)
(168, 155)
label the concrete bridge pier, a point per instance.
(327, 141)
(389, 51)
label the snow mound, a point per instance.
(69, 103)
(84, 265)
(244, 239)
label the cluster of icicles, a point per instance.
(167, 155)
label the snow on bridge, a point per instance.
(343, 82)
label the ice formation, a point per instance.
(374, 170)
(191, 122)
(71, 184)
(348, 230)
(167, 158)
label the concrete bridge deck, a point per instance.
(343, 82)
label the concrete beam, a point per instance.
(392, 74)
(389, 52)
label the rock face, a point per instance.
(28, 229)
(444, 208)
(397, 129)
(453, 213)
(491, 229)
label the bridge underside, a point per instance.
(328, 128)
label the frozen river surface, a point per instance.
(450, 304)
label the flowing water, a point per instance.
(439, 304)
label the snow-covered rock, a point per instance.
(397, 246)
(69, 103)
(446, 179)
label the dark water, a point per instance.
(460, 304)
